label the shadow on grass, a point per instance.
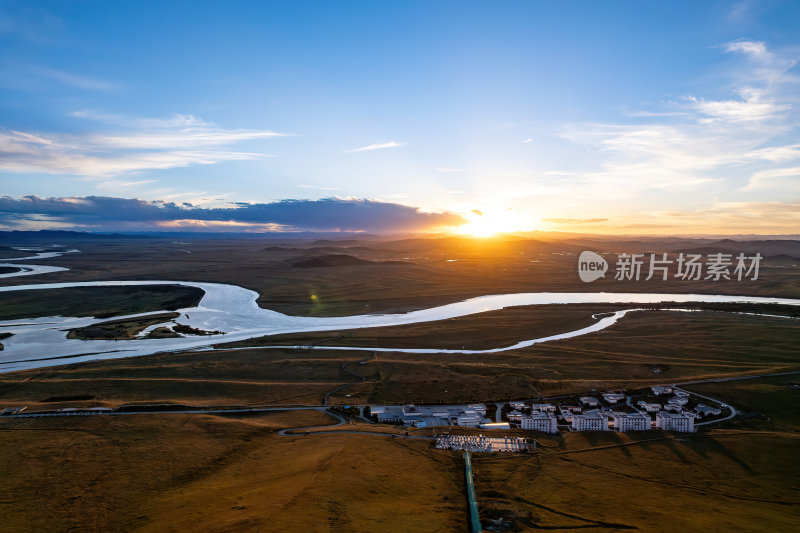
(709, 445)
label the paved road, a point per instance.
(285, 432)
(361, 378)
(720, 402)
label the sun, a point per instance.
(489, 223)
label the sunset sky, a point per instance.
(609, 117)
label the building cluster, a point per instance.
(614, 411)
(676, 401)
(481, 443)
(667, 408)
(420, 416)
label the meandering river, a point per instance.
(41, 342)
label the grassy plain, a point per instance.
(685, 346)
(442, 271)
(182, 472)
(100, 302)
(213, 473)
(741, 476)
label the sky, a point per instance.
(389, 117)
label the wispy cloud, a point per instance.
(27, 77)
(702, 142)
(447, 169)
(378, 146)
(785, 180)
(139, 144)
(574, 220)
(319, 188)
(755, 49)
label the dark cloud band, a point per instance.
(328, 214)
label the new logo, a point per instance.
(591, 266)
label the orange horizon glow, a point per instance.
(489, 223)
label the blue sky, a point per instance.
(671, 117)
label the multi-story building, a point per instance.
(545, 422)
(613, 397)
(479, 407)
(514, 416)
(591, 421)
(589, 400)
(469, 420)
(631, 422)
(681, 422)
(649, 407)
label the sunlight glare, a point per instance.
(491, 222)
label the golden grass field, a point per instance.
(690, 346)
(212, 473)
(175, 472)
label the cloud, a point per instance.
(24, 77)
(765, 218)
(380, 146)
(73, 80)
(752, 106)
(782, 179)
(319, 188)
(574, 220)
(446, 169)
(146, 144)
(755, 49)
(330, 214)
(700, 143)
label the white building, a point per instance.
(678, 400)
(705, 410)
(514, 416)
(681, 422)
(592, 421)
(479, 407)
(545, 422)
(624, 422)
(542, 407)
(613, 397)
(649, 407)
(589, 400)
(479, 443)
(518, 406)
(470, 421)
(658, 390)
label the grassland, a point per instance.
(740, 477)
(438, 271)
(233, 473)
(212, 473)
(122, 329)
(685, 346)
(100, 302)
(181, 473)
